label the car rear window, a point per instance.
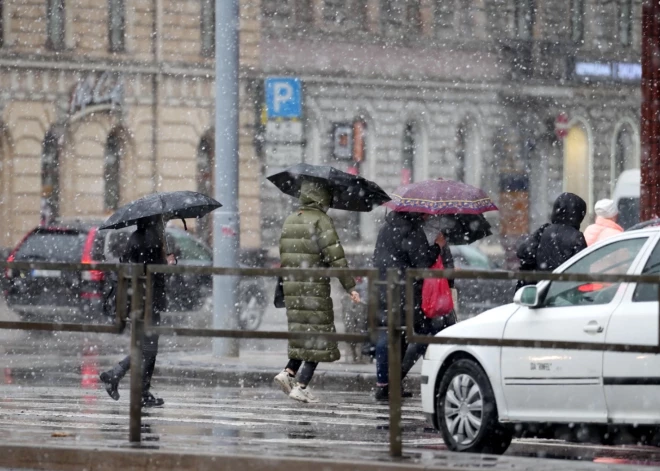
(52, 247)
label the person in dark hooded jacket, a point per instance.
(146, 246)
(402, 244)
(552, 244)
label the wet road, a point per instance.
(234, 420)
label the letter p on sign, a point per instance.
(283, 97)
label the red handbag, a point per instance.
(436, 295)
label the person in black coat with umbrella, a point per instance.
(146, 246)
(402, 244)
(552, 244)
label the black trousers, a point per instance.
(307, 372)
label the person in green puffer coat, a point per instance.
(309, 240)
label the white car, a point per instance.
(479, 397)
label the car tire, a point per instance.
(467, 413)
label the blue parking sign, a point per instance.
(283, 97)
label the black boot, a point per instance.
(149, 364)
(383, 393)
(149, 400)
(111, 378)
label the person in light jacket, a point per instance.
(605, 225)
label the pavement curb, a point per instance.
(53, 458)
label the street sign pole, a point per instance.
(225, 220)
(650, 125)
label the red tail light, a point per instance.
(90, 275)
(12, 256)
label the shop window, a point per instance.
(50, 179)
(56, 24)
(111, 172)
(524, 16)
(208, 27)
(117, 25)
(577, 20)
(625, 22)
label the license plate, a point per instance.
(46, 273)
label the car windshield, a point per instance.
(52, 247)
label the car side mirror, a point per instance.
(527, 296)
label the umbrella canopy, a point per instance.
(441, 197)
(458, 229)
(349, 192)
(169, 205)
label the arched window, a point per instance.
(50, 179)
(111, 172)
(577, 20)
(208, 27)
(56, 24)
(205, 163)
(577, 172)
(525, 16)
(116, 25)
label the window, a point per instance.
(625, 22)
(56, 24)
(525, 16)
(205, 157)
(649, 293)
(409, 150)
(188, 249)
(344, 14)
(461, 151)
(577, 20)
(286, 13)
(50, 179)
(443, 15)
(613, 259)
(208, 27)
(57, 246)
(623, 151)
(401, 16)
(111, 172)
(117, 23)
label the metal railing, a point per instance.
(141, 318)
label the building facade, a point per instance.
(104, 101)
(525, 98)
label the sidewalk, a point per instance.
(253, 369)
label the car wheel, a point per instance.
(250, 311)
(467, 412)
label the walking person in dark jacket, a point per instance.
(309, 240)
(552, 244)
(146, 246)
(401, 244)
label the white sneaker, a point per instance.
(303, 395)
(285, 382)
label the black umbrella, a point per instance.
(349, 192)
(460, 229)
(169, 205)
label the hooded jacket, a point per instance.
(552, 244)
(601, 229)
(309, 240)
(402, 244)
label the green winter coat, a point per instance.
(309, 240)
